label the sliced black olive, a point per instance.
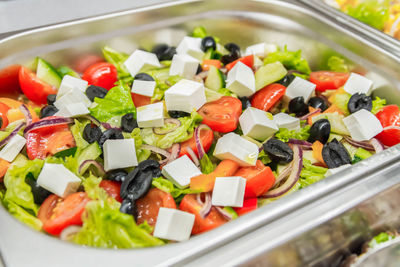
(95, 91)
(48, 111)
(317, 102)
(39, 193)
(358, 102)
(178, 114)
(116, 175)
(128, 123)
(51, 99)
(207, 43)
(128, 207)
(320, 131)
(112, 133)
(164, 51)
(335, 154)
(245, 102)
(199, 69)
(278, 151)
(150, 165)
(91, 133)
(298, 106)
(143, 77)
(285, 81)
(233, 49)
(226, 59)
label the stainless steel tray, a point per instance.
(244, 22)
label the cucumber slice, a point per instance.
(91, 152)
(209, 54)
(215, 79)
(64, 70)
(362, 153)
(212, 95)
(47, 73)
(269, 73)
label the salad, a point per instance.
(139, 150)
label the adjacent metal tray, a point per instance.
(244, 22)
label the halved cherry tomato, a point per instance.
(140, 100)
(34, 89)
(148, 206)
(207, 63)
(247, 60)
(222, 115)
(328, 79)
(57, 213)
(259, 179)
(112, 188)
(101, 74)
(389, 116)
(249, 204)
(3, 115)
(212, 220)
(206, 137)
(268, 96)
(9, 84)
(14, 113)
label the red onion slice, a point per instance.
(68, 233)
(157, 150)
(92, 119)
(299, 142)
(12, 134)
(365, 145)
(28, 116)
(285, 173)
(224, 213)
(197, 138)
(293, 177)
(205, 210)
(47, 122)
(84, 165)
(303, 118)
(392, 127)
(378, 147)
(175, 150)
(193, 156)
(160, 131)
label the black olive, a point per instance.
(143, 77)
(358, 102)
(91, 133)
(48, 111)
(128, 123)
(233, 49)
(116, 175)
(164, 52)
(39, 193)
(138, 182)
(1, 122)
(128, 207)
(199, 69)
(245, 102)
(320, 131)
(51, 99)
(226, 59)
(285, 81)
(177, 114)
(95, 91)
(317, 102)
(335, 154)
(298, 106)
(278, 151)
(207, 43)
(112, 134)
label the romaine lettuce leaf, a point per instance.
(141, 154)
(22, 215)
(284, 134)
(338, 64)
(292, 60)
(206, 165)
(377, 104)
(372, 12)
(199, 32)
(77, 132)
(311, 174)
(380, 238)
(167, 186)
(117, 59)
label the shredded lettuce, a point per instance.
(292, 60)
(311, 174)
(338, 64)
(162, 83)
(199, 32)
(372, 12)
(77, 132)
(226, 92)
(23, 216)
(206, 165)
(381, 238)
(264, 157)
(167, 186)
(117, 59)
(141, 154)
(377, 104)
(284, 134)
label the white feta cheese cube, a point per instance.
(362, 125)
(184, 66)
(284, 120)
(68, 83)
(119, 153)
(191, 46)
(141, 61)
(150, 115)
(143, 87)
(228, 191)
(173, 224)
(261, 49)
(257, 62)
(12, 148)
(358, 84)
(300, 87)
(73, 110)
(257, 124)
(234, 147)
(336, 170)
(73, 96)
(180, 171)
(185, 95)
(58, 180)
(241, 80)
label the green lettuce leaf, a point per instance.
(105, 226)
(380, 238)
(338, 64)
(206, 165)
(167, 186)
(377, 104)
(372, 12)
(64, 70)
(22, 215)
(264, 157)
(311, 174)
(117, 59)
(180, 134)
(141, 154)
(117, 102)
(292, 60)
(341, 101)
(199, 32)
(163, 82)
(284, 134)
(77, 132)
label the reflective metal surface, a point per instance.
(244, 22)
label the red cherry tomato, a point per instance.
(259, 179)
(249, 204)
(3, 115)
(140, 100)
(34, 89)
(148, 206)
(56, 213)
(212, 220)
(222, 115)
(389, 116)
(206, 137)
(326, 80)
(247, 60)
(112, 188)
(9, 84)
(101, 74)
(268, 96)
